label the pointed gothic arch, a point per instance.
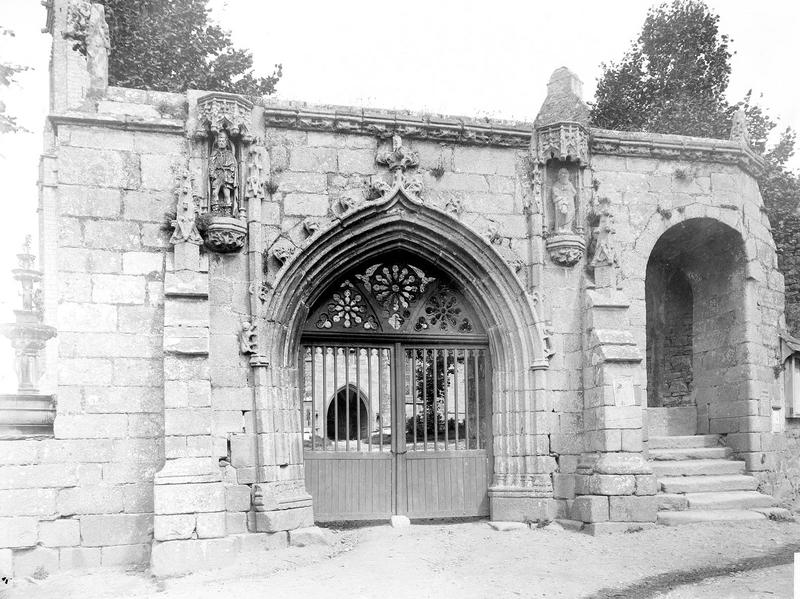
(516, 335)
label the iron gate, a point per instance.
(396, 428)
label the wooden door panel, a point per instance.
(350, 486)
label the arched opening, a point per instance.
(403, 357)
(515, 364)
(694, 290)
(347, 415)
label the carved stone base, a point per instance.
(26, 416)
(566, 249)
(225, 234)
(508, 504)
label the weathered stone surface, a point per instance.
(632, 509)
(189, 498)
(79, 558)
(116, 529)
(590, 508)
(18, 532)
(60, 533)
(41, 560)
(278, 520)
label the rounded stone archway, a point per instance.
(697, 362)
(516, 335)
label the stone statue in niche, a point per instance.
(223, 171)
(98, 44)
(563, 194)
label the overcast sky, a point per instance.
(457, 57)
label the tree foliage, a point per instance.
(8, 73)
(673, 79)
(171, 45)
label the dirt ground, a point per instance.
(470, 560)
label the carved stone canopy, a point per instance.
(218, 111)
(563, 142)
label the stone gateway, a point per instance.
(272, 314)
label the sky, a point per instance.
(455, 57)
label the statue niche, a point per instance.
(223, 173)
(563, 195)
(565, 244)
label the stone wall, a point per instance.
(787, 240)
(85, 497)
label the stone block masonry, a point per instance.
(178, 439)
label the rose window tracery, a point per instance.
(394, 297)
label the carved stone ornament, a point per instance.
(77, 28)
(605, 253)
(218, 111)
(282, 252)
(254, 185)
(185, 213)
(98, 45)
(562, 141)
(566, 249)
(248, 338)
(399, 160)
(739, 127)
(311, 225)
(225, 235)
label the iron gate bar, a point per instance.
(455, 390)
(435, 400)
(369, 403)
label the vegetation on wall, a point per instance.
(172, 45)
(673, 79)
(8, 72)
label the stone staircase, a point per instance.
(699, 482)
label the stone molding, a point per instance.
(676, 147)
(126, 123)
(437, 129)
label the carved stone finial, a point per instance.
(740, 127)
(564, 102)
(399, 160)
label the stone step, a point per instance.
(729, 500)
(705, 484)
(691, 453)
(677, 441)
(696, 467)
(694, 516)
(671, 502)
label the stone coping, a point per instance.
(676, 147)
(384, 123)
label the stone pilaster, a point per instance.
(189, 496)
(614, 482)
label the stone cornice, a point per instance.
(169, 126)
(675, 147)
(386, 124)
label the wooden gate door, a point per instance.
(399, 429)
(396, 404)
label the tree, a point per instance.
(673, 79)
(8, 72)
(170, 45)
